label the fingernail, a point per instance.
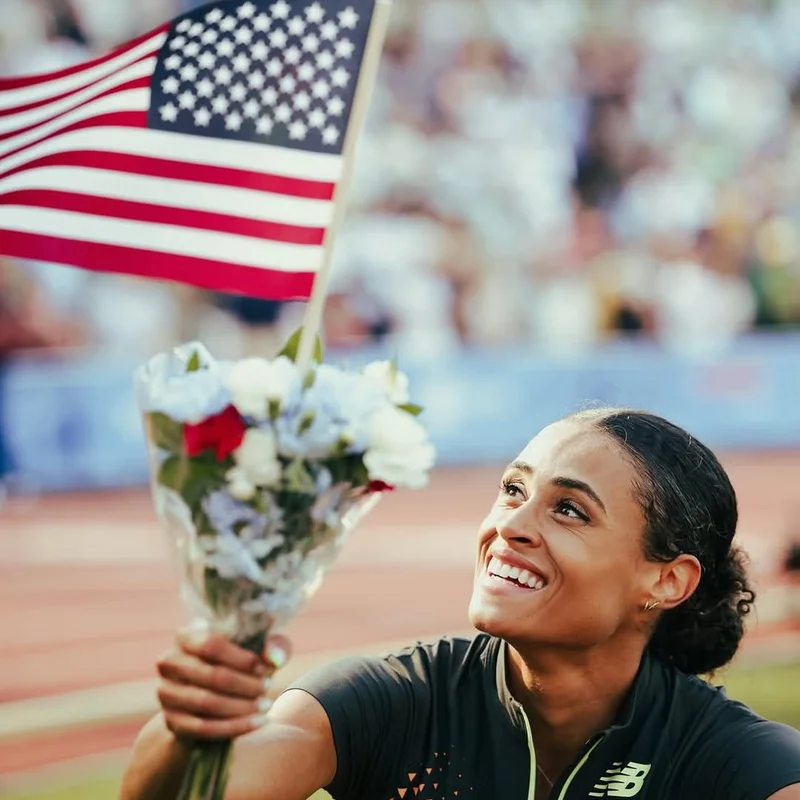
(267, 684)
(277, 655)
(258, 721)
(264, 704)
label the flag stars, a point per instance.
(330, 135)
(278, 39)
(189, 73)
(345, 48)
(178, 43)
(183, 25)
(259, 51)
(187, 100)
(317, 118)
(220, 104)
(225, 48)
(256, 80)
(336, 107)
(196, 29)
(228, 24)
(321, 89)
(209, 36)
(262, 23)
(269, 96)
(311, 43)
(315, 13)
(238, 93)
(296, 26)
(283, 113)
(264, 126)
(298, 130)
(202, 117)
(288, 84)
(251, 108)
(246, 11)
(233, 122)
(302, 101)
(340, 78)
(223, 75)
(241, 63)
(274, 68)
(214, 16)
(326, 60)
(329, 31)
(173, 62)
(168, 112)
(205, 88)
(292, 55)
(348, 18)
(306, 72)
(280, 10)
(170, 85)
(207, 60)
(243, 35)
(192, 49)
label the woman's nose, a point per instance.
(520, 526)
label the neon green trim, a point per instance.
(532, 749)
(576, 770)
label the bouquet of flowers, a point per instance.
(259, 470)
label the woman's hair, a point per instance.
(689, 507)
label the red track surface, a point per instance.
(88, 596)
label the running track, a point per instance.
(88, 597)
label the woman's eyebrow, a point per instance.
(563, 482)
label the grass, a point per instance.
(772, 691)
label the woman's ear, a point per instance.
(677, 581)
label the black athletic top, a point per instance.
(437, 721)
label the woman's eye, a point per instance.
(511, 489)
(569, 509)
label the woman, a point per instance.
(606, 580)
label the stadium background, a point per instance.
(556, 204)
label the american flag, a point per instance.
(206, 152)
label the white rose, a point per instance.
(254, 383)
(399, 452)
(239, 485)
(257, 459)
(393, 382)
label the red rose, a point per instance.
(222, 433)
(377, 487)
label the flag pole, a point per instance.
(368, 75)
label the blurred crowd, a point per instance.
(534, 172)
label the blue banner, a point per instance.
(72, 426)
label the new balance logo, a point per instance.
(621, 781)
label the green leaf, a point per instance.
(170, 473)
(292, 346)
(298, 479)
(165, 432)
(410, 408)
(193, 364)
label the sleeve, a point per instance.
(377, 708)
(748, 762)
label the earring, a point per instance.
(651, 604)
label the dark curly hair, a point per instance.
(690, 507)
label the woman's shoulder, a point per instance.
(730, 745)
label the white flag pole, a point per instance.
(366, 83)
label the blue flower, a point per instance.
(185, 397)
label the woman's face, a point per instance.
(566, 525)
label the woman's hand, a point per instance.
(211, 688)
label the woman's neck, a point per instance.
(570, 696)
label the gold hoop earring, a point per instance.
(650, 605)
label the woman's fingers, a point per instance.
(198, 641)
(189, 726)
(199, 702)
(277, 652)
(183, 668)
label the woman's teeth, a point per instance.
(520, 576)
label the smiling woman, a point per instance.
(606, 580)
